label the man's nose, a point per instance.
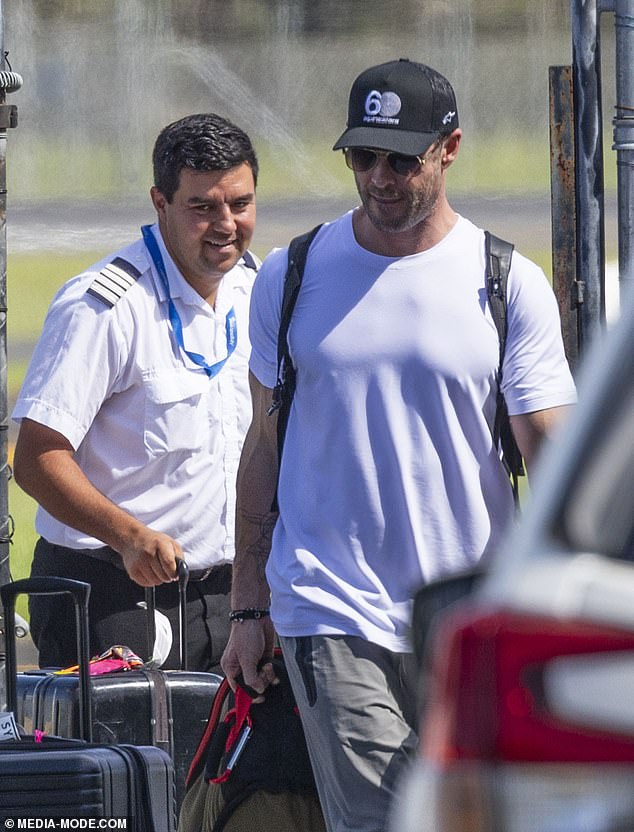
(382, 172)
(223, 219)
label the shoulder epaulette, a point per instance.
(113, 281)
(249, 261)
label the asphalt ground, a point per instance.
(104, 226)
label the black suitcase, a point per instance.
(71, 779)
(168, 709)
(57, 778)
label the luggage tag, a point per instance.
(8, 727)
(115, 658)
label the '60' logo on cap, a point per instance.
(386, 104)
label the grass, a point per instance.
(488, 165)
(22, 509)
(32, 281)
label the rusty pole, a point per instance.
(563, 207)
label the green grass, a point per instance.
(22, 509)
(488, 165)
(32, 280)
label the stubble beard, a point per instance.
(417, 206)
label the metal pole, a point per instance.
(586, 64)
(563, 206)
(624, 138)
(9, 82)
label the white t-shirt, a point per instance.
(151, 431)
(389, 476)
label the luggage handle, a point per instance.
(80, 592)
(182, 571)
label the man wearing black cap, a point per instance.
(390, 476)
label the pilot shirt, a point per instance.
(151, 430)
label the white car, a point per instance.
(528, 724)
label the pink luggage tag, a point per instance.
(117, 658)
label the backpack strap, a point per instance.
(285, 386)
(218, 703)
(498, 254)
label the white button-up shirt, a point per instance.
(151, 430)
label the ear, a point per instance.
(450, 148)
(158, 200)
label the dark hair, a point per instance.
(442, 91)
(204, 141)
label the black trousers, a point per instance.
(114, 617)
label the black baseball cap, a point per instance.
(400, 106)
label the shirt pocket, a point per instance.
(176, 416)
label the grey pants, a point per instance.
(358, 706)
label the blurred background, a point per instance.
(102, 77)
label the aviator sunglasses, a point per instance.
(362, 160)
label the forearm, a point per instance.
(58, 484)
(532, 429)
(255, 521)
(45, 467)
(249, 585)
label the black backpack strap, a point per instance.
(285, 386)
(498, 254)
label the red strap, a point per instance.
(212, 722)
(239, 714)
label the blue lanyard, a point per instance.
(231, 328)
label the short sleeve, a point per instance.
(536, 375)
(264, 317)
(74, 365)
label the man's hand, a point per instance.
(151, 558)
(45, 467)
(250, 647)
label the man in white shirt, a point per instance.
(390, 476)
(134, 408)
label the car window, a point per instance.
(597, 509)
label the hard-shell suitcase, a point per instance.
(168, 709)
(73, 779)
(52, 777)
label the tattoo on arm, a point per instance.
(260, 547)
